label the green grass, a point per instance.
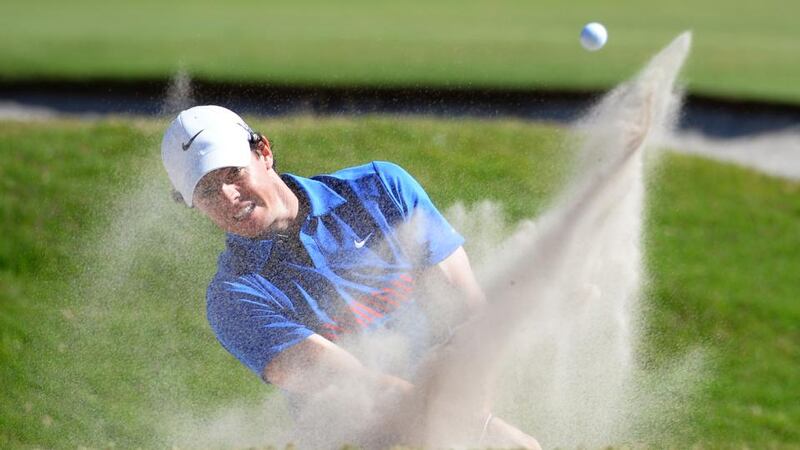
(102, 331)
(723, 250)
(742, 49)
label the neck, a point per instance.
(296, 208)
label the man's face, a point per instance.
(248, 201)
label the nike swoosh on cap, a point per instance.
(188, 144)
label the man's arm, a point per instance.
(292, 369)
(316, 363)
(458, 273)
(328, 361)
(319, 366)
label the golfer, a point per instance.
(311, 264)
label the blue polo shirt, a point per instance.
(369, 232)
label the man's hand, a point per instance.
(500, 434)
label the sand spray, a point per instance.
(555, 352)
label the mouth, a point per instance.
(245, 211)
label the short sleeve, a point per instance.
(432, 235)
(253, 320)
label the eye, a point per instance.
(234, 174)
(208, 190)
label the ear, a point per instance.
(265, 152)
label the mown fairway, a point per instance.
(742, 48)
(102, 331)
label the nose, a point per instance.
(230, 192)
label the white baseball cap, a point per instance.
(202, 139)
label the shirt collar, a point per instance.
(321, 198)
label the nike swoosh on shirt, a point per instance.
(188, 144)
(361, 243)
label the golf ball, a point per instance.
(594, 36)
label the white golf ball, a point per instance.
(594, 36)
